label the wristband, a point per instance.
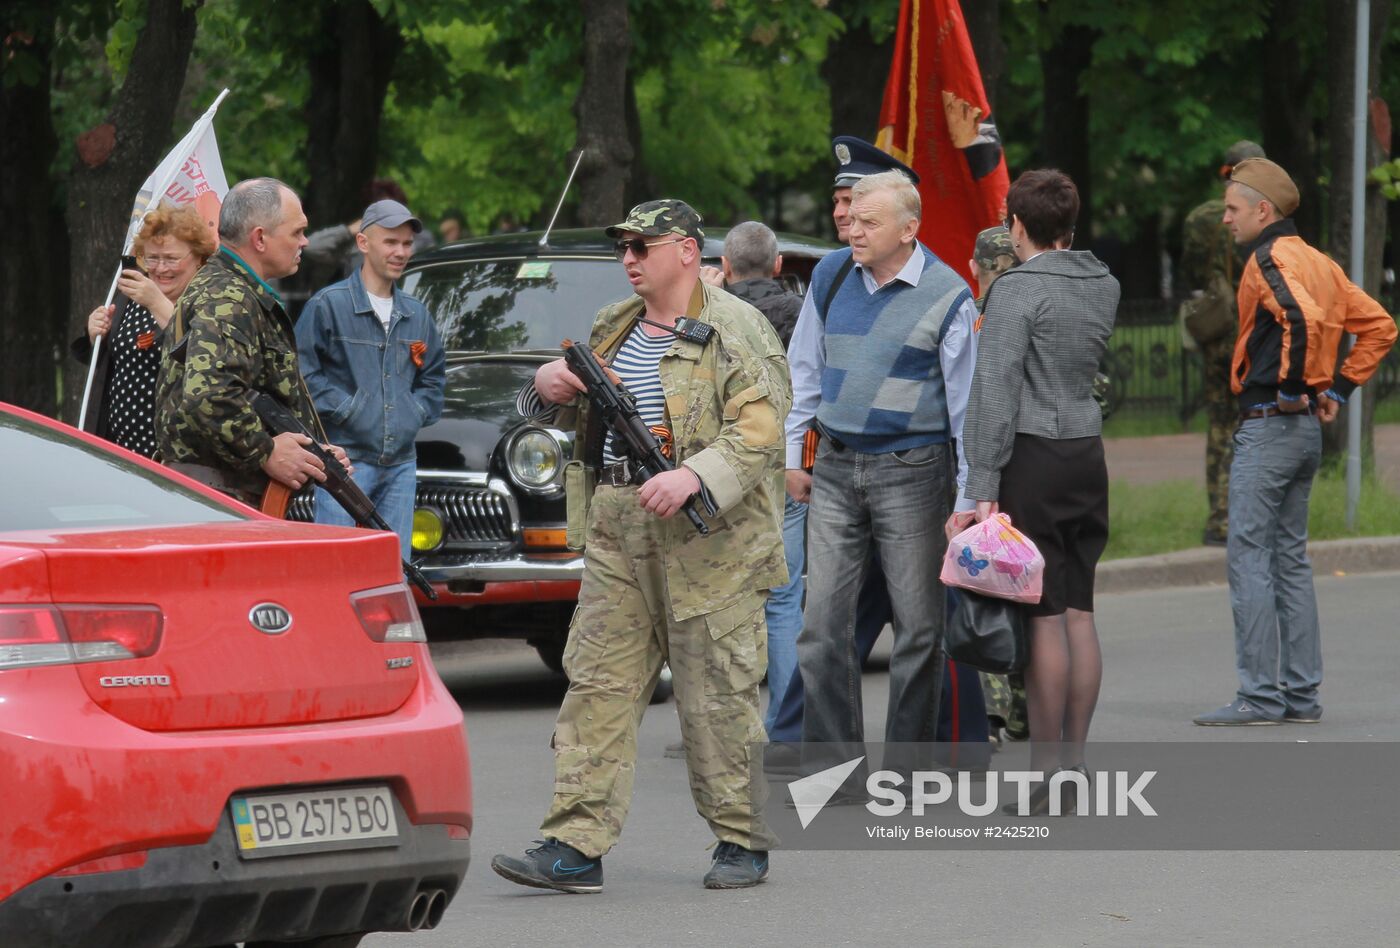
(1335, 396)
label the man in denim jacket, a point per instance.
(374, 365)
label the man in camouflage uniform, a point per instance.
(655, 590)
(992, 256)
(231, 339)
(1211, 264)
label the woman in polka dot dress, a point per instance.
(172, 245)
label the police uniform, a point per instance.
(656, 591)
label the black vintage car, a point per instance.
(489, 525)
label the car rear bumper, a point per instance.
(206, 894)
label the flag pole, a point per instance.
(191, 137)
(1358, 239)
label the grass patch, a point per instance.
(1147, 519)
(1131, 424)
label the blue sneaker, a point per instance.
(736, 867)
(1238, 713)
(553, 865)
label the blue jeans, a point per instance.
(1278, 651)
(862, 504)
(783, 613)
(391, 489)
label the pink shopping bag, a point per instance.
(995, 559)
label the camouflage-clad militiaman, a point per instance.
(1208, 255)
(1211, 265)
(231, 338)
(655, 590)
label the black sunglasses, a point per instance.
(639, 246)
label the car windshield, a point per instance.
(503, 305)
(53, 480)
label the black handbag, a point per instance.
(987, 633)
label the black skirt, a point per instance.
(1056, 492)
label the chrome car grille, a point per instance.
(472, 515)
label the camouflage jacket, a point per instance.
(231, 339)
(1208, 250)
(725, 405)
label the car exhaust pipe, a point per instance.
(418, 911)
(437, 907)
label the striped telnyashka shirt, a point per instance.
(636, 363)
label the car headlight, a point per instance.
(535, 459)
(427, 530)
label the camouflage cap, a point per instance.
(664, 216)
(993, 244)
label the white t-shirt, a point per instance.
(383, 308)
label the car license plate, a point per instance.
(337, 818)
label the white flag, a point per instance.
(191, 174)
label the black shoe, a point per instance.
(553, 865)
(736, 867)
(1211, 538)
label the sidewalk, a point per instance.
(1182, 458)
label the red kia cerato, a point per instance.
(214, 726)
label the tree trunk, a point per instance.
(983, 18)
(350, 68)
(1289, 76)
(1064, 136)
(855, 70)
(601, 113)
(33, 248)
(114, 159)
(1341, 66)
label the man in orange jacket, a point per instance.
(1295, 304)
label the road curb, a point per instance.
(1206, 566)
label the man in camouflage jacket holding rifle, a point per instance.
(231, 339)
(655, 589)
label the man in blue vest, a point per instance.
(881, 366)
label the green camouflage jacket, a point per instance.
(232, 339)
(1207, 249)
(725, 405)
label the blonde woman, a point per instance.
(173, 244)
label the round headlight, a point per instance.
(534, 459)
(427, 530)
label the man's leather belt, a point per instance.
(617, 475)
(1268, 411)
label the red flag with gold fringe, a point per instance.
(935, 118)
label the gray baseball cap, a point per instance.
(388, 213)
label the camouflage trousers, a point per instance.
(622, 633)
(1223, 413)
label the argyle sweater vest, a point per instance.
(882, 387)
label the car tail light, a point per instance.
(69, 634)
(389, 614)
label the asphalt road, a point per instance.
(1168, 656)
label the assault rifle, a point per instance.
(338, 483)
(619, 412)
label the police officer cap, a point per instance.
(856, 158)
(661, 217)
(1270, 180)
(994, 244)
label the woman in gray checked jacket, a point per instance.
(1034, 450)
